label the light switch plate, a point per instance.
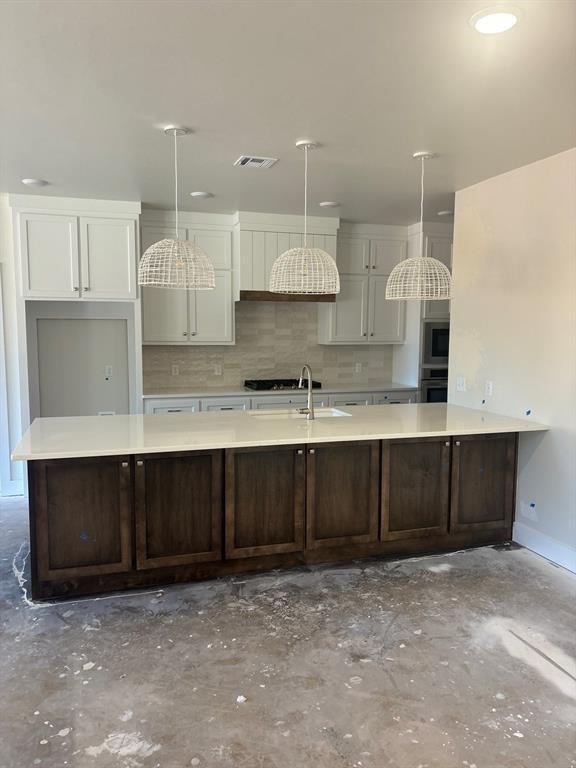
(461, 384)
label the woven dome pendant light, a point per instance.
(176, 263)
(420, 277)
(305, 270)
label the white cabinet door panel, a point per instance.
(353, 255)
(385, 254)
(210, 313)
(108, 258)
(164, 315)
(348, 315)
(386, 324)
(216, 245)
(49, 253)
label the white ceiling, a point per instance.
(83, 84)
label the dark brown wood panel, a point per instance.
(269, 296)
(178, 508)
(82, 524)
(415, 488)
(483, 482)
(265, 496)
(342, 493)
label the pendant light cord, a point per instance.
(176, 180)
(305, 196)
(422, 209)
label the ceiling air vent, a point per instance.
(256, 162)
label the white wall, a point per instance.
(10, 417)
(513, 322)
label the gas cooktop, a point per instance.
(278, 384)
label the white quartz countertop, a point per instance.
(77, 436)
(384, 386)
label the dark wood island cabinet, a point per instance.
(116, 522)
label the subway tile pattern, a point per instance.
(272, 341)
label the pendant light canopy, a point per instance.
(305, 270)
(176, 263)
(420, 277)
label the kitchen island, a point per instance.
(126, 501)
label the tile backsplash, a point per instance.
(273, 340)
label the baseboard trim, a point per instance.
(544, 545)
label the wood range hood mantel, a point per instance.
(269, 296)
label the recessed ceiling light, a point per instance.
(329, 204)
(35, 182)
(493, 21)
(201, 195)
(445, 213)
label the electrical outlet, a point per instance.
(107, 372)
(489, 388)
(358, 368)
(461, 384)
(217, 369)
(175, 370)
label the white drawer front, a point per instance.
(171, 405)
(225, 404)
(287, 402)
(354, 398)
(393, 398)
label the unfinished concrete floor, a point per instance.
(442, 662)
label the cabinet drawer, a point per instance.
(171, 405)
(225, 404)
(390, 398)
(354, 398)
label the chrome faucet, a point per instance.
(309, 410)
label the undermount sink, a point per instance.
(319, 413)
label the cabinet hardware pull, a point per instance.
(373, 266)
(139, 463)
(124, 464)
(447, 443)
(185, 333)
(367, 266)
(312, 450)
(458, 443)
(372, 334)
(86, 288)
(75, 288)
(299, 451)
(227, 408)
(193, 333)
(364, 334)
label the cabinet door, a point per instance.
(415, 488)
(81, 516)
(353, 255)
(438, 248)
(348, 316)
(108, 258)
(483, 482)
(385, 254)
(342, 493)
(216, 245)
(49, 256)
(386, 316)
(164, 310)
(265, 491)
(210, 312)
(178, 508)
(171, 405)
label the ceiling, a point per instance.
(84, 84)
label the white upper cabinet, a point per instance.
(385, 254)
(49, 256)
(438, 248)
(217, 245)
(211, 313)
(386, 317)
(173, 316)
(108, 258)
(67, 255)
(361, 313)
